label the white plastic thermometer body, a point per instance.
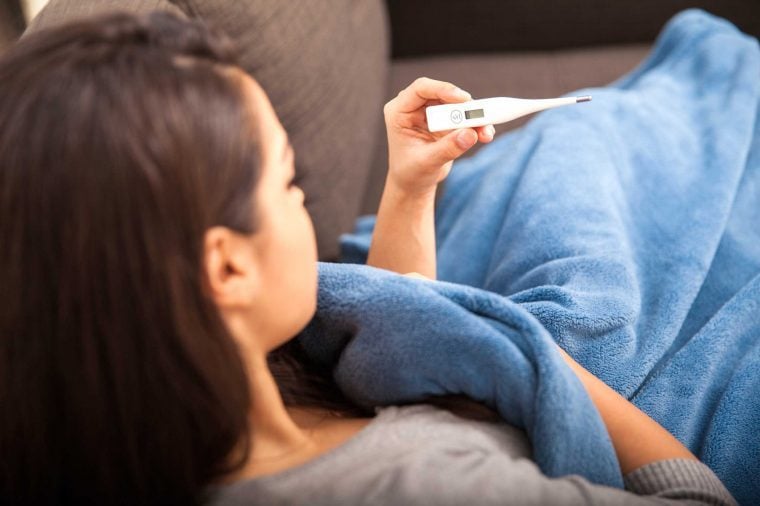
(489, 111)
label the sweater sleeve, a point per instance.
(496, 480)
(679, 479)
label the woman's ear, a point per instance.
(230, 266)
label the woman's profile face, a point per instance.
(284, 242)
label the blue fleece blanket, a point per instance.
(626, 230)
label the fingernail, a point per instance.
(465, 139)
(490, 130)
(459, 92)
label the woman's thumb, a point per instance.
(454, 144)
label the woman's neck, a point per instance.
(275, 432)
(277, 442)
(283, 437)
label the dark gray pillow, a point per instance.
(324, 65)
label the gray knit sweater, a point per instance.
(423, 455)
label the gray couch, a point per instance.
(328, 66)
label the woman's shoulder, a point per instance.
(453, 421)
(397, 453)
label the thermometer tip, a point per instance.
(585, 98)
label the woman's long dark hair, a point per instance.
(121, 142)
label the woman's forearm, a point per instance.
(638, 440)
(404, 236)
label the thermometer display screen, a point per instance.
(474, 113)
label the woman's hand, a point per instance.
(404, 235)
(418, 159)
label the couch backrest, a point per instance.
(458, 26)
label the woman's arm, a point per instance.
(638, 440)
(404, 236)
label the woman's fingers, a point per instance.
(486, 133)
(424, 89)
(426, 92)
(455, 143)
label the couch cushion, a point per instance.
(540, 74)
(324, 66)
(63, 11)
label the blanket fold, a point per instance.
(627, 230)
(397, 340)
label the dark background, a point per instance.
(498, 25)
(11, 16)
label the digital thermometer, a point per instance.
(489, 111)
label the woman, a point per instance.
(157, 260)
